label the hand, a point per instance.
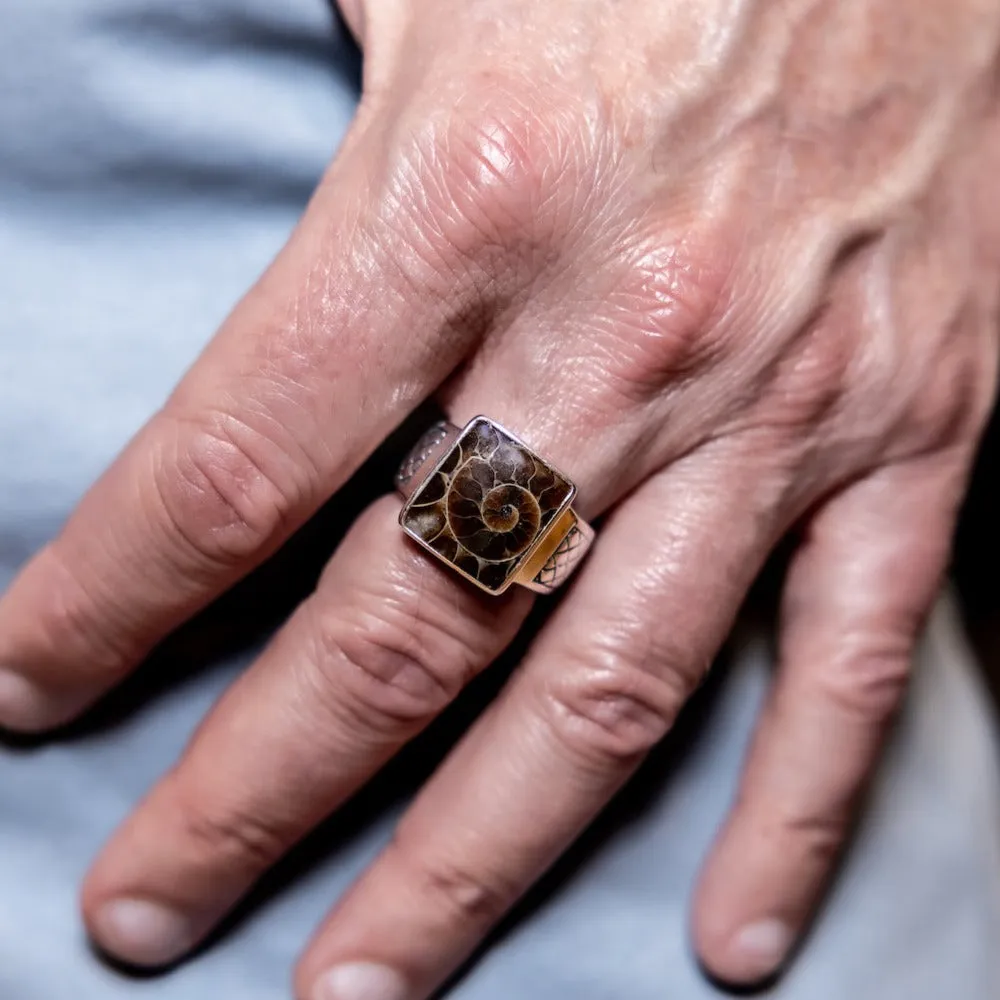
(734, 268)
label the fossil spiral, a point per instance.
(487, 504)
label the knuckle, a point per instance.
(818, 835)
(870, 678)
(388, 677)
(951, 401)
(500, 177)
(666, 312)
(811, 383)
(230, 838)
(401, 656)
(614, 704)
(476, 194)
(939, 395)
(494, 171)
(225, 491)
(467, 894)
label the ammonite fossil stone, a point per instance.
(487, 504)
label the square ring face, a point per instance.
(487, 504)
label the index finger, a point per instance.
(342, 336)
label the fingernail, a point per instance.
(760, 948)
(361, 981)
(23, 705)
(141, 932)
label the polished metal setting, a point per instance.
(484, 503)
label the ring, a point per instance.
(484, 503)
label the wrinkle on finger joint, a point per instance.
(466, 895)
(394, 661)
(220, 499)
(609, 706)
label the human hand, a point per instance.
(733, 267)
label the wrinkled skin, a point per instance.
(734, 267)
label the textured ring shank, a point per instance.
(574, 543)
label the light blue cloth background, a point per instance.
(153, 156)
